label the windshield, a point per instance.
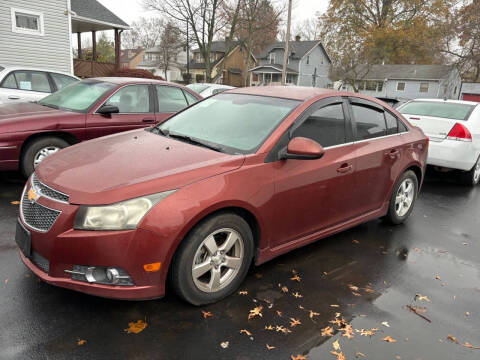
(79, 96)
(198, 87)
(236, 122)
(438, 109)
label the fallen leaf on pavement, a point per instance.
(269, 347)
(243, 293)
(353, 287)
(294, 322)
(354, 293)
(206, 314)
(246, 332)
(6, 281)
(339, 355)
(364, 332)
(335, 305)
(136, 327)
(347, 331)
(224, 344)
(285, 289)
(467, 313)
(327, 331)
(312, 314)
(258, 275)
(452, 338)
(389, 339)
(81, 342)
(269, 327)
(385, 323)
(297, 295)
(296, 278)
(355, 241)
(336, 345)
(470, 346)
(255, 312)
(301, 307)
(279, 313)
(421, 297)
(298, 357)
(283, 329)
(16, 202)
(359, 354)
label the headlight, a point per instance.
(124, 215)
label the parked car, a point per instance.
(19, 84)
(29, 132)
(394, 102)
(453, 127)
(206, 89)
(242, 176)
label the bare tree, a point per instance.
(170, 43)
(308, 29)
(145, 32)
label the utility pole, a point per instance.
(287, 40)
(188, 59)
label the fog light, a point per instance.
(113, 275)
(100, 275)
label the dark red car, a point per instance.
(29, 132)
(247, 174)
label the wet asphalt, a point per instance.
(363, 277)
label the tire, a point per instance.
(398, 212)
(472, 177)
(31, 153)
(197, 249)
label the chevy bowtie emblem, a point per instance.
(32, 195)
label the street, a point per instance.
(367, 276)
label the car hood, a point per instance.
(130, 164)
(22, 116)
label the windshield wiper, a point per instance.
(193, 141)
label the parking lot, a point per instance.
(365, 278)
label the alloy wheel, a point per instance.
(43, 153)
(218, 260)
(404, 198)
(476, 172)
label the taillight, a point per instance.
(460, 133)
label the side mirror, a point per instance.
(302, 149)
(108, 109)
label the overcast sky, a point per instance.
(130, 10)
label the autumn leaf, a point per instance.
(327, 331)
(81, 342)
(301, 307)
(353, 287)
(279, 313)
(313, 313)
(298, 357)
(224, 344)
(347, 331)
(269, 327)
(243, 293)
(282, 329)
(294, 322)
(297, 295)
(354, 293)
(467, 313)
(258, 275)
(6, 281)
(269, 347)
(16, 202)
(246, 332)
(421, 297)
(334, 305)
(364, 332)
(470, 346)
(296, 278)
(359, 354)
(452, 339)
(339, 355)
(284, 289)
(206, 314)
(336, 345)
(136, 327)
(385, 323)
(355, 241)
(389, 339)
(255, 312)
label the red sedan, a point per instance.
(242, 176)
(29, 132)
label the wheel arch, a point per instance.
(68, 137)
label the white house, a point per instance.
(151, 61)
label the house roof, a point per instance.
(219, 46)
(128, 54)
(407, 72)
(93, 10)
(297, 48)
(272, 68)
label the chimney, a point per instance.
(297, 38)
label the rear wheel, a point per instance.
(213, 259)
(472, 177)
(38, 150)
(403, 198)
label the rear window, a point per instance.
(198, 88)
(443, 110)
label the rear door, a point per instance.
(25, 85)
(378, 151)
(170, 100)
(136, 110)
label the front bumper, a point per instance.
(452, 154)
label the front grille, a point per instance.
(40, 261)
(37, 216)
(48, 191)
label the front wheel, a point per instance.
(472, 177)
(403, 198)
(213, 259)
(38, 150)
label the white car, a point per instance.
(18, 84)
(453, 127)
(206, 89)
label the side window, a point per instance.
(131, 99)
(61, 80)
(33, 81)
(392, 123)
(170, 99)
(369, 121)
(326, 126)
(191, 99)
(10, 82)
(402, 127)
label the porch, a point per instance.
(271, 76)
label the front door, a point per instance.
(136, 110)
(311, 195)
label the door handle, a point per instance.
(345, 168)
(13, 97)
(393, 153)
(148, 120)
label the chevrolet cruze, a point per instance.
(245, 175)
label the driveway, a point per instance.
(373, 292)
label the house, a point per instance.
(409, 81)
(234, 71)
(470, 91)
(152, 61)
(130, 58)
(308, 64)
(39, 34)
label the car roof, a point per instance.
(129, 80)
(12, 68)
(449, 101)
(287, 92)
